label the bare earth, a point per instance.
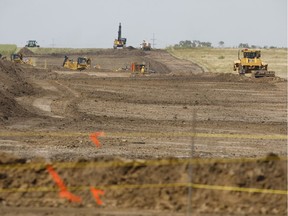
(47, 116)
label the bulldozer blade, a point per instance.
(263, 73)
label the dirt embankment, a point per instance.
(160, 185)
(13, 83)
(26, 52)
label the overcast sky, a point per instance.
(94, 23)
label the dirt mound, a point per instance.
(131, 47)
(13, 83)
(26, 52)
(229, 77)
(156, 185)
(13, 79)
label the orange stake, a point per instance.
(64, 193)
(68, 195)
(94, 138)
(96, 194)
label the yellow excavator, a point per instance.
(18, 58)
(249, 61)
(120, 42)
(82, 63)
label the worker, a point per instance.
(143, 69)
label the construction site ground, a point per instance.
(144, 139)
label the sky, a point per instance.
(94, 23)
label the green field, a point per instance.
(62, 50)
(221, 59)
(7, 49)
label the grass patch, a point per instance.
(221, 59)
(7, 49)
(67, 51)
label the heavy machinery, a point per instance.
(249, 61)
(145, 46)
(2, 57)
(139, 67)
(18, 58)
(32, 43)
(119, 42)
(81, 64)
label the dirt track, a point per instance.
(50, 113)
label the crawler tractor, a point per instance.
(81, 64)
(249, 61)
(18, 58)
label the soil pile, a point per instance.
(154, 185)
(26, 52)
(13, 83)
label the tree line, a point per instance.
(199, 44)
(192, 44)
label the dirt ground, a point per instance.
(225, 121)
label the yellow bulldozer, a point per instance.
(82, 63)
(249, 61)
(18, 58)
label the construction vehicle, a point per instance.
(18, 58)
(249, 61)
(32, 43)
(119, 42)
(145, 46)
(82, 63)
(139, 67)
(2, 57)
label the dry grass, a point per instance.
(61, 50)
(7, 49)
(221, 59)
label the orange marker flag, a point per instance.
(96, 194)
(68, 195)
(64, 193)
(94, 138)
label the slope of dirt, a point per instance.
(13, 83)
(127, 186)
(26, 52)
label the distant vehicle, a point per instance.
(18, 58)
(120, 42)
(249, 61)
(81, 64)
(32, 43)
(139, 67)
(145, 46)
